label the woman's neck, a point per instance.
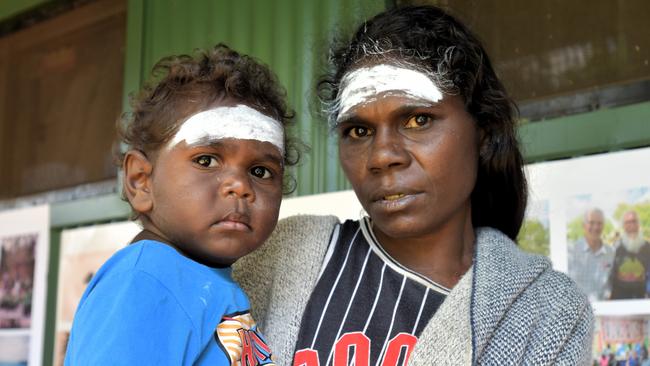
(443, 255)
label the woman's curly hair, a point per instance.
(430, 40)
(184, 85)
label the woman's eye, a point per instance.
(416, 121)
(358, 132)
(261, 172)
(206, 161)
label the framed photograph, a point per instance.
(24, 244)
(607, 243)
(599, 218)
(83, 251)
(598, 190)
(621, 340)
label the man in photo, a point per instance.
(590, 260)
(631, 261)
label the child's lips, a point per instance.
(234, 221)
(233, 225)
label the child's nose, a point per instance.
(237, 185)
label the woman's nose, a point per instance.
(387, 151)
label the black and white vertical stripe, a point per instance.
(362, 289)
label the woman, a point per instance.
(432, 275)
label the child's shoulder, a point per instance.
(146, 297)
(143, 255)
(164, 264)
(152, 266)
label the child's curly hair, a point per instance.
(184, 85)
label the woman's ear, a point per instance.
(484, 144)
(137, 181)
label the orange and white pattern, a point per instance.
(238, 336)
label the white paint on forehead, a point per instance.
(238, 122)
(365, 84)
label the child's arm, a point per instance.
(131, 319)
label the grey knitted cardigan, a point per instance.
(511, 308)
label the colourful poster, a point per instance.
(24, 244)
(83, 251)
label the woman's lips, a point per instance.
(393, 197)
(395, 201)
(392, 193)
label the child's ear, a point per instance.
(137, 181)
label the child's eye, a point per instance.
(261, 172)
(206, 161)
(357, 132)
(418, 120)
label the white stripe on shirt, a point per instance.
(374, 304)
(347, 310)
(392, 321)
(329, 297)
(330, 250)
(417, 320)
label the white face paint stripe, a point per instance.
(365, 84)
(238, 122)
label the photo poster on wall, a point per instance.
(621, 340)
(599, 219)
(83, 251)
(588, 200)
(24, 247)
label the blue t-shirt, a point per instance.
(150, 305)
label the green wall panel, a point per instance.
(291, 36)
(587, 133)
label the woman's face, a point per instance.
(412, 164)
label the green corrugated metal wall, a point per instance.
(291, 36)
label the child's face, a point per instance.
(216, 199)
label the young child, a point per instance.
(203, 174)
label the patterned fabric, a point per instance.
(355, 306)
(591, 269)
(149, 305)
(511, 309)
(238, 335)
(524, 312)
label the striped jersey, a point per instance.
(366, 308)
